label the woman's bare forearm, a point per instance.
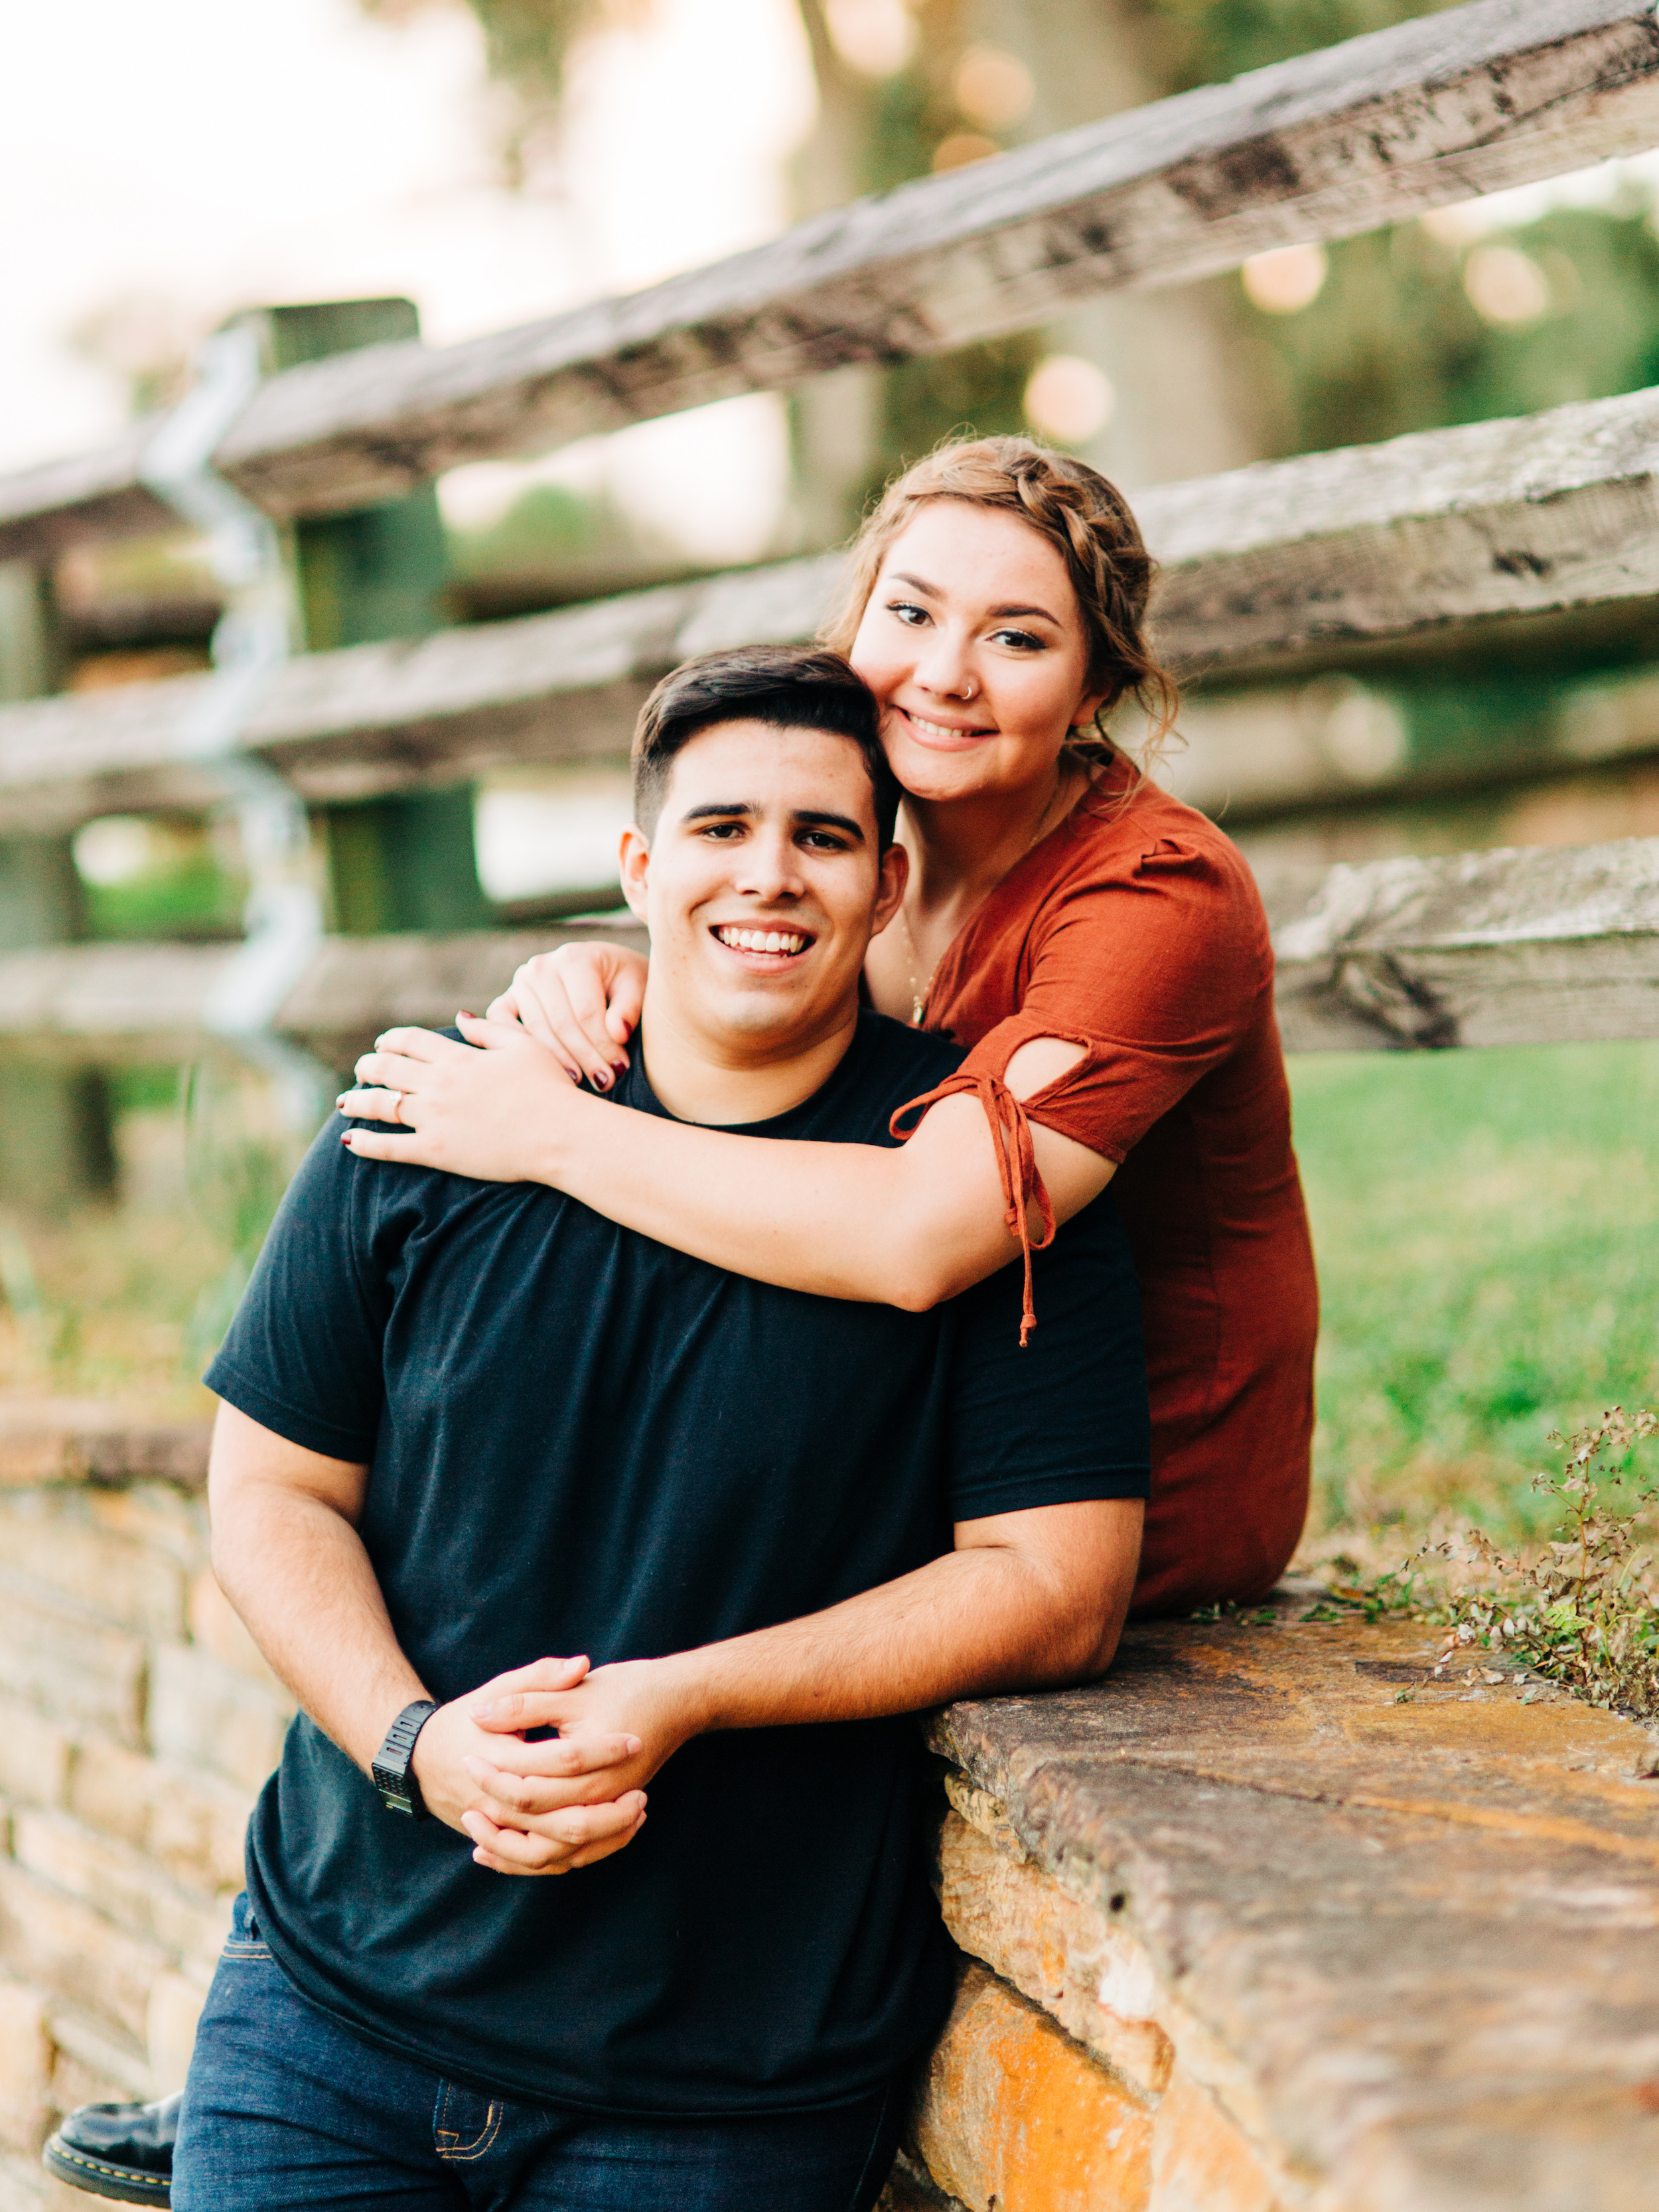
(900, 1228)
(903, 1228)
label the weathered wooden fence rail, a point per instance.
(1331, 143)
(1481, 532)
(1530, 946)
(1275, 568)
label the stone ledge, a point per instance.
(1399, 1938)
(1268, 1922)
(69, 1440)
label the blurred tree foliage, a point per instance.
(1393, 339)
(553, 545)
(891, 130)
(1190, 42)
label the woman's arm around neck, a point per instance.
(905, 1227)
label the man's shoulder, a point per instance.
(393, 1197)
(895, 1063)
(885, 1065)
(912, 1054)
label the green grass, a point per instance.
(127, 1303)
(1485, 1222)
(106, 1304)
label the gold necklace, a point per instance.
(918, 996)
(919, 990)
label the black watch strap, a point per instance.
(398, 1790)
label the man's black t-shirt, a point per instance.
(579, 1440)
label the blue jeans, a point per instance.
(285, 2108)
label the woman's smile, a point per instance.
(950, 736)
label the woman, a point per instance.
(1102, 949)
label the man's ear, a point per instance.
(636, 858)
(894, 874)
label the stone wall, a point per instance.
(1287, 1917)
(1277, 1919)
(136, 1722)
(1066, 2081)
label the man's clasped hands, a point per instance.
(559, 1801)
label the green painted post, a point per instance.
(55, 1144)
(405, 862)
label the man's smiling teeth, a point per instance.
(762, 940)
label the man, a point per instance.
(467, 1425)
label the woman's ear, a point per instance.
(1093, 704)
(635, 857)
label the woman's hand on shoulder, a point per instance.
(494, 1112)
(582, 1002)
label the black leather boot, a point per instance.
(124, 2151)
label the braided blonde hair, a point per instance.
(1088, 522)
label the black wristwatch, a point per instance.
(399, 1791)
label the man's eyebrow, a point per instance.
(998, 613)
(812, 818)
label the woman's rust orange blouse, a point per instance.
(1137, 930)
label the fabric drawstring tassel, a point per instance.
(1022, 1186)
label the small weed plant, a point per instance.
(1582, 1610)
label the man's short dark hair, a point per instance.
(790, 687)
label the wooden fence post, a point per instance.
(55, 1139)
(405, 862)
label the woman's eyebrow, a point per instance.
(992, 614)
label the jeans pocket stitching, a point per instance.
(453, 2149)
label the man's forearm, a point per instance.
(979, 1621)
(287, 1556)
(296, 1572)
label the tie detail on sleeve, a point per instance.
(1022, 1185)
